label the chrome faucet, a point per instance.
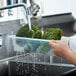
(33, 7)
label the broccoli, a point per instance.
(25, 32)
(37, 34)
(52, 33)
(27, 48)
(49, 33)
(44, 48)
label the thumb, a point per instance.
(52, 43)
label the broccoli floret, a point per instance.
(44, 48)
(52, 33)
(37, 34)
(35, 28)
(27, 48)
(25, 32)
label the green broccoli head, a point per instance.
(37, 34)
(25, 32)
(44, 48)
(52, 33)
(35, 28)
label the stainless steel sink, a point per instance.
(37, 65)
(32, 65)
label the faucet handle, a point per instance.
(34, 9)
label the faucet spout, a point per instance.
(32, 9)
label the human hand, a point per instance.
(60, 48)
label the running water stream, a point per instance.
(29, 14)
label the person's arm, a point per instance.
(63, 50)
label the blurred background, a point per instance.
(46, 7)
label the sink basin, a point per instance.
(36, 65)
(33, 65)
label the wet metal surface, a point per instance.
(36, 66)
